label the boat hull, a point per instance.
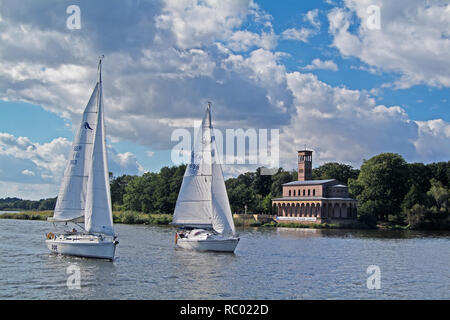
(101, 249)
(219, 245)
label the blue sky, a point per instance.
(314, 70)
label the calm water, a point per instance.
(268, 264)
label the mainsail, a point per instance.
(71, 200)
(98, 212)
(203, 200)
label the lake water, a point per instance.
(268, 264)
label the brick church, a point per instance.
(314, 201)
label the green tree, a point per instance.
(440, 171)
(267, 204)
(382, 181)
(278, 180)
(334, 170)
(440, 194)
(261, 183)
(118, 186)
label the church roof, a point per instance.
(308, 182)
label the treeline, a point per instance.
(19, 204)
(388, 190)
(251, 191)
(409, 194)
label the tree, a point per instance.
(382, 181)
(440, 171)
(261, 183)
(278, 180)
(118, 186)
(440, 194)
(334, 170)
(267, 204)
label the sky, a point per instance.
(349, 79)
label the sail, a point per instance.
(194, 203)
(203, 198)
(72, 193)
(221, 214)
(98, 212)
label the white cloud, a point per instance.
(312, 17)
(194, 23)
(413, 41)
(319, 64)
(23, 161)
(348, 126)
(28, 172)
(123, 163)
(433, 141)
(302, 34)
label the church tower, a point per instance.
(305, 165)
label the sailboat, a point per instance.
(84, 194)
(202, 210)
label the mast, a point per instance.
(222, 218)
(98, 211)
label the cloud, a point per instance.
(41, 165)
(123, 163)
(28, 172)
(433, 141)
(319, 64)
(303, 34)
(148, 82)
(312, 17)
(413, 40)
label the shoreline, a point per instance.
(133, 217)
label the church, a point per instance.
(314, 201)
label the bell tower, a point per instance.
(305, 165)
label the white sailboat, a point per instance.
(202, 208)
(84, 193)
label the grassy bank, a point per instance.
(27, 215)
(128, 217)
(134, 217)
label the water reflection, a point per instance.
(299, 232)
(200, 273)
(95, 274)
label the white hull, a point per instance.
(90, 247)
(205, 241)
(226, 245)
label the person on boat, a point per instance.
(74, 230)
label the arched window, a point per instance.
(309, 192)
(314, 192)
(289, 193)
(294, 193)
(303, 192)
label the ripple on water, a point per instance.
(268, 264)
